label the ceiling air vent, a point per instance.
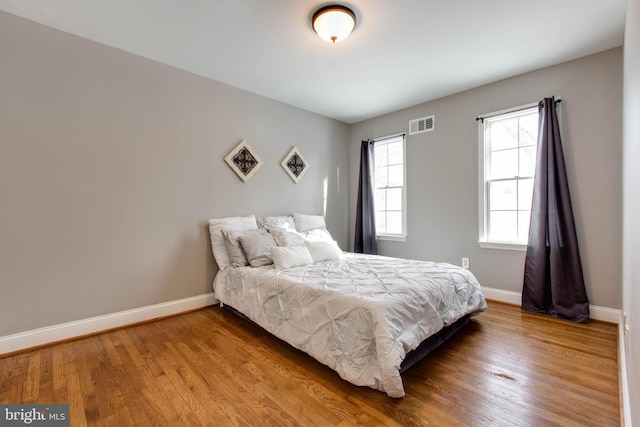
(424, 124)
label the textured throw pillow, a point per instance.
(257, 246)
(290, 256)
(237, 257)
(217, 240)
(323, 251)
(307, 222)
(286, 237)
(285, 222)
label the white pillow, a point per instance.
(290, 256)
(286, 237)
(217, 240)
(285, 222)
(317, 235)
(323, 251)
(307, 222)
(257, 246)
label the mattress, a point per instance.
(360, 314)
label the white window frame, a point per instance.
(482, 181)
(385, 140)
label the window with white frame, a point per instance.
(389, 186)
(508, 148)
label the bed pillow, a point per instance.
(257, 246)
(323, 251)
(237, 257)
(286, 237)
(290, 256)
(285, 222)
(318, 235)
(217, 239)
(307, 222)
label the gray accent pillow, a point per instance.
(216, 225)
(237, 257)
(257, 246)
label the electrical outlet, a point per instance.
(465, 262)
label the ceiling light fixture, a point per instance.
(333, 23)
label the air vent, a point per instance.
(424, 124)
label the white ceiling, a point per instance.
(401, 53)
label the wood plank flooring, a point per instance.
(209, 367)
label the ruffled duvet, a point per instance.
(359, 315)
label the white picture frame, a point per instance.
(294, 164)
(243, 161)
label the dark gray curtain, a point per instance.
(553, 280)
(365, 236)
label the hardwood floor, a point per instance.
(209, 367)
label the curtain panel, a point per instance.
(553, 279)
(365, 233)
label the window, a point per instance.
(389, 179)
(508, 146)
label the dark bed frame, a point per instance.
(432, 343)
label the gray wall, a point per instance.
(442, 177)
(111, 164)
(631, 194)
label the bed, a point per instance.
(363, 316)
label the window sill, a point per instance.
(503, 246)
(392, 237)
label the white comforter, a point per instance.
(359, 315)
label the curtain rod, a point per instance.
(524, 107)
(389, 136)
(395, 135)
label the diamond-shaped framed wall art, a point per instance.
(295, 164)
(243, 161)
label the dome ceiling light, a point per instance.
(333, 23)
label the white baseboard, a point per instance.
(500, 295)
(596, 312)
(624, 385)
(49, 334)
